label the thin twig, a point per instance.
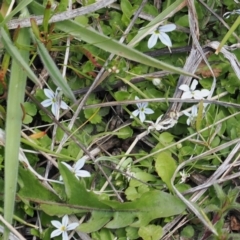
(60, 16)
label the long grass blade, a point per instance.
(13, 127)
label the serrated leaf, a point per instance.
(165, 167)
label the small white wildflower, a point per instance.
(161, 34)
(184, 176)
(63, 227)
(142, 110)
(190, 92)
(76, 169)
(192, 115)
(53, 99)
(228, 14)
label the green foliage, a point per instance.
(108, 213)
(165, 167)
(127, 196)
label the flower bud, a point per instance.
(156, 81)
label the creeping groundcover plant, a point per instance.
(79, 159)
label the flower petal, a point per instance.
(79, 164)
(188, 121)
(144, 104)
(194, 84)
(72, 226)
(65, 220)
(63, 105)
(165, 39)
(184, 87)
(152, 40)
(142, 116)
(55, 233)
(55, 109)
(49, 93)
(82, 173)
(227, 14)
(56, 224)
(187, 95)
(64, 236)
(205, 92)
(148, 111)
(46, 103)
(167, 28)
(186, 113)
(159, 119)
(135, 113)
(194, 110)
(197, 94)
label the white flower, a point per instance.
(184, 176)
(191, 92)
(191, 116)
(142, 110)
(161, 34)
(53, 99)
(156, 125)
(227, 14)
(76, 169)
(62, 227)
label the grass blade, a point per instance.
(13, 126)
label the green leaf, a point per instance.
(15, 97)
(30, 108)
(111, 214)
(187, 232)
(92, 114)
(126, 8)
(150, 232)
(165, 167)
(121, 95)
(125, 132)
(38, 192)
(166, 137)
(27, 119)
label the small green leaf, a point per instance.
(187, 232)
(150, 232)
(125, 132)
(165, 167)
(166, 137)
(92, 115)
(121, 95)
(27, 119)
(30, 108)
(126, 8)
